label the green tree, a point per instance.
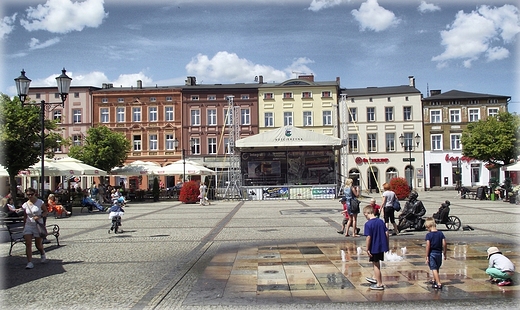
(493, 140)
(20, 130)
(103, 148)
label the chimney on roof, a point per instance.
(412, 81)
(338, 80)
(435, 92)
(110, 85)
(260, 79)
(307, 77)
(104, 85)
(191, 81)
(139, 84)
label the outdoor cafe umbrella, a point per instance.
(80, 168)
(513, 167)
(137, 167)
(52, 168)
(3, 172)
(178, 168)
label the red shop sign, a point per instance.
(360, 160)
(455, 158)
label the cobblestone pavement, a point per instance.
(256, 255)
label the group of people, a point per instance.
(500, 268)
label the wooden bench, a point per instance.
(15, 230)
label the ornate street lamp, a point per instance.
(22, 87)
(176, 145)
(409, 147)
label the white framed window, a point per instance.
(352, 115)
(353, 143)
(287, 118)
(389, 114)
(227, 148)
(76, 140)
(153, 143)
(212, 97)
(152, 114)
(136, 114)
(390, 142)
(268, 96)
(153, 99)
(169, 98)
(268, 119)
(454, 116)
(371, 114)
(120, 114)
(327, 118)
(136, 141)
(372, 142)
(307, 118)
(326, 94)
(76, 95)
(169, 142)
(287, 95)
(228, 116)
(212, 117)
(168, 113)
(306, 95)
(58, 148)
(391, 173)
(408, 140)
(474, 115)
(104, 115)
(194, 97)
(245, 117)
(493, 112)
(212, 145)
(195, 117)
(104, 100)
(492, 101)
(435, 116)
(244, 96)
(121, 100)
(195, 150)
(56, 116)
(455, 142)
(407, 113)
(76, 114)
(436, 142)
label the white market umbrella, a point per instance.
(513, 167)
(51, 168)
(80, 168)
(3, 172)
(179, 168)
(137, 167)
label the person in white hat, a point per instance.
(500, 269)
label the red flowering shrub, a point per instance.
(400, 187)
(189, 192)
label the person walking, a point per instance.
(377, 243)
(388, 208)
(435, 251)
(35, 209)
(350, 192)
(202, 190)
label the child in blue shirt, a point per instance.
(377, 242)
(435, 250)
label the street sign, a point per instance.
(409, 159)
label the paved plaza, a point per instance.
(278, 254)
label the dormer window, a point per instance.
(306, 94)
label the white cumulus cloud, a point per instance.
(478, 33)
(7, 25)
(63, 16)
(317, 5)
(127, 80)
(374, 17)
(428, 7)
(36, 44)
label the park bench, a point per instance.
(15, 229)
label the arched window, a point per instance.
(354, 175)
(391, 173)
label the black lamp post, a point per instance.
(22, 87)
(409, 148)
(176, 144)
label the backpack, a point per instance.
(396, 205)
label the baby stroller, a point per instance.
(90, 204)
(116, 212)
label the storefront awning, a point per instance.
(288, 137)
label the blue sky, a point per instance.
(446, 44)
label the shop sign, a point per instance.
(449, 158)
(360, 160)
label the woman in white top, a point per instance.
(35, 210)
(388, 207)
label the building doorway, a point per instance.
(372, 179)
(435, 175)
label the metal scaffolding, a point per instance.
(234, 174)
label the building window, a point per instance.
(76, 140)
(194, 97)
(169, 143)
(245, 117)
(326, 94)
(76, 114)
(391, 173)
(38, 95)
(212, 117)
(58, 149)
(492, 101)
(389, 114)
(104, 100)
(436, 142)
(153, 143)
(137, 142)
(435, 116)
(407, 113)
(195, 117)
(406, 98)
(371, 114)
(195, 150)
(455, 142)
(227, 148)
(121, 100)
(473, 102)
(327, 118)
(136, 114)
(454, 102)
(307, 118)
(493, 112)
(168, 114)
(228, 116)
(353, 143)
(390, 142)
(306, 95)
(435, 103)
(287, 95)
(268, 119)
(389, 99)
(56, 116)
(370, 100)
(104, 115)
(372, 142)
(352, 115)
(244, 97)
(153, 99)
(169, 98)
(212, 145)
(454, 116)
(287, 119)
(57, 95)
(352, 100)
(475, 173)
(474, 115)
(268, 96)
(120, 112)
(408, 140)
(152, 114)
(212, 97)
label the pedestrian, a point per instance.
(377, 208)
(377, 243)
(501, 269)
(35, 209)
(435, 251)
(345, 216)
(202, 190)
(388, 207)
(350, 192)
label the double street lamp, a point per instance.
(176, 145)
(409, 144)
(22, 87)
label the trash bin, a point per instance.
(492, 197)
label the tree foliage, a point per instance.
(493, 140)
(103, 148)
(20, 136)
